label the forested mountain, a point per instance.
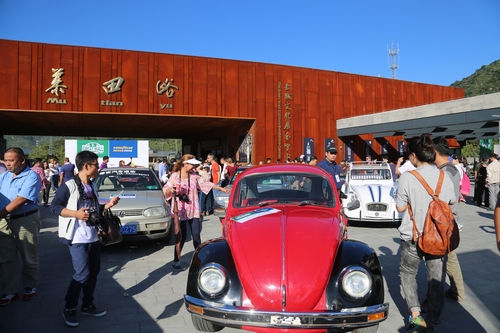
(485, 80)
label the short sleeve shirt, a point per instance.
(215, 172)
(39, 171)
(411, 191)
(69, 171)
(27, 184)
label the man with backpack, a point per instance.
(453, 270)
(412, 196)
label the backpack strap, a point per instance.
(415, 229)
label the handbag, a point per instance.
(109, 232)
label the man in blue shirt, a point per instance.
(329, 165)
(67, 171)
(19, 226)
(162, 170)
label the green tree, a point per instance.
(170, 145)
(43, 150)
(471, 148)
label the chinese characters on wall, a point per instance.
(285, 121)
(57, 87)
(168, 88)
(111, 86)
(287, 115)
(279, 119)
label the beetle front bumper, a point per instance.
(226, 315)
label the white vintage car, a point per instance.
(371, 193)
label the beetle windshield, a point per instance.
(284, 188)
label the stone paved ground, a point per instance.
(142, 294)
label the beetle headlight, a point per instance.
(212, 279)
(356, 282)
(154, 212)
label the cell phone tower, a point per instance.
(393, 53)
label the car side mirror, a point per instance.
(353, 205)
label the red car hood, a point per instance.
(285, 257)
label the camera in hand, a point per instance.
(95, 220)
(183, 197)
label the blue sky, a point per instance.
(440, 42)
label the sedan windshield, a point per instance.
(284, 188)
(127, 179)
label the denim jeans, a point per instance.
(493, 189)
(55, 182)
(411, 256)
(203, 202)
(86, 259)
(210, 201)
(195, 226)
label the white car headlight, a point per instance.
(154, 212)
(356, 282)
(354, 197)
(212, 279)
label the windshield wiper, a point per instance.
(312, 202)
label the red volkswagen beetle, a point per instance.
(284, 263)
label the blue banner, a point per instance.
(123, 148)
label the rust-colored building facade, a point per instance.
(228, 107)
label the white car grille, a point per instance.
(131, 212)
(377, 207)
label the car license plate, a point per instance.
(128, 229)
(284, 320)
(377, 214)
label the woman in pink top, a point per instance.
(186, 182)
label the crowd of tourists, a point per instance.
(189, 184)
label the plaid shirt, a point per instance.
(40, 173)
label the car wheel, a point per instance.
(371, 329)
(204, 325)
